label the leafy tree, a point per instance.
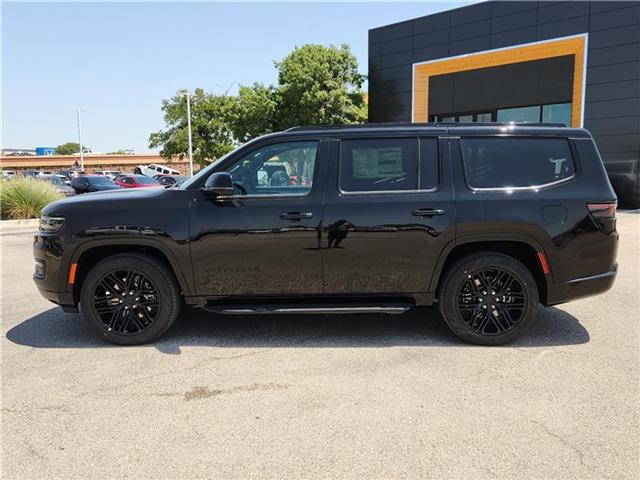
(319, 85)
(254, 112)
(211, 132)
(68, 148)
(316, 85)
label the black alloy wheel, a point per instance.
(126, 302)
(488, 298)
(130, 298)
(491, 301)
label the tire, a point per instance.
(119, 316)
(480, 303)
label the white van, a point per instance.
(152, 170)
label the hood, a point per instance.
(106, 200)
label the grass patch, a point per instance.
(26, 197)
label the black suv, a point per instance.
(487, 221)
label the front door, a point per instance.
(388, 216)
(263, 240)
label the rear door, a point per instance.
(389, 212)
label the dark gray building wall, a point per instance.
(612, 102)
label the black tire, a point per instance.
(132, 308)
(488, 316)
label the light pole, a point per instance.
(78, 110)
(188, 95)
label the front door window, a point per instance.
(279, 169)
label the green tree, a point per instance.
(254, 112)
(211, 133)
(319, 85)
(68, 148)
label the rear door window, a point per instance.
(516, 162)
(370, 165)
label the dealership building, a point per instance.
(576, 63)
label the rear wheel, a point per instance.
(488, 298)
(130, 299)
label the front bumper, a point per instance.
(581, 287)
(51, 272)
(63, 299)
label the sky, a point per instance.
(118, 61)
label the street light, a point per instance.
(188, 95)
(78, 110)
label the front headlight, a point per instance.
(51, 224)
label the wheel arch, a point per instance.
(521, 247)
(90, 253)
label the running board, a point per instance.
(394, 309)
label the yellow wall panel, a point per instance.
(524, 53)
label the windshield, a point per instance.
(203, 173)
(145, 180)
(100, 181)
(54, 180)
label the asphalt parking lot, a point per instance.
(321, 396)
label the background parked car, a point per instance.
(136, 181)
(170, 180)
(92, 183)
(8, 174)
(112, 174)
(153, 169)
(70, 173)
(59, 183)
(64, 178)
(35, 173)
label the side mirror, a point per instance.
(219, 184)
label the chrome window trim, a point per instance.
(519, 189)
(387, 192)
(258, 196)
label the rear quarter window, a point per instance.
(516, 162)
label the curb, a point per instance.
(9, 227)
(24, 222)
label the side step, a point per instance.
(283, 309)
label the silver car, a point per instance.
(60, 184)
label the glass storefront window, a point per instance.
(484, 117)
(521, 115)
(466, 118)
(557, 113)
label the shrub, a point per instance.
(26, 197)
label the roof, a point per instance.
(457, 128)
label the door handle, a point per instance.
(296, 215)
(427, 212)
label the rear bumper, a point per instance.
(581, 287)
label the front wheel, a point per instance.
(130, 299)
(488, 298)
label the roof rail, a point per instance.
(430, 124)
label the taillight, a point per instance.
(603, 210)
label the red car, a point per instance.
(136, 181)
